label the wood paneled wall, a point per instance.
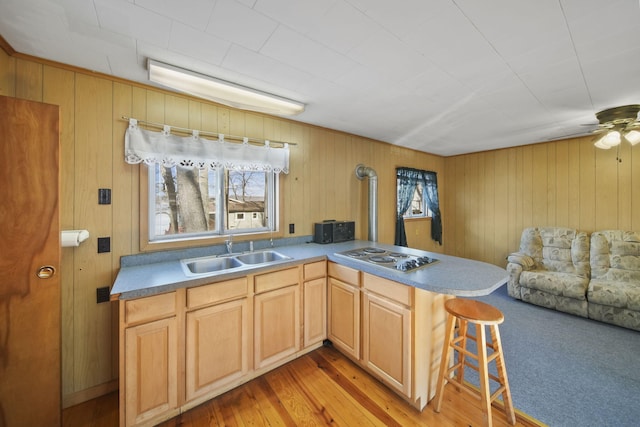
(491, 196)
(321, 185)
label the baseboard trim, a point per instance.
(88, 394)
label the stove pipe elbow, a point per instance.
(363, 171)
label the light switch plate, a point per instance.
(104, 196)
(104, 244)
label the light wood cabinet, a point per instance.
(276, 316)
(403, 335)
(392, 330)
(180, 348)
(150, 367)
(386, 340)
(217, 337)
(314, 303)
(344, 309)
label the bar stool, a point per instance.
(462, 312)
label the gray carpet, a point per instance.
(565, 370)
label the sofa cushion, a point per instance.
(615, 254)
(561, 284)
(565, 250)
(615, 294)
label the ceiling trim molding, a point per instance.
(7, 47)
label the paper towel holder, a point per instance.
(71, 238)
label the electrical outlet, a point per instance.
(292, 228)
(102, 295)
(104, 244)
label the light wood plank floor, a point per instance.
(320, 388)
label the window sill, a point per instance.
(146, 246)
(417, 219)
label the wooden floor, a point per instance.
(320, 388)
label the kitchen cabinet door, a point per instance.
(217, 347)
(344, 317)
(315, 311)
(276, 325)
(151, 370)
(386, 336)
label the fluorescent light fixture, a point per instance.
(221, 91)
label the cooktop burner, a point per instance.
(373, 250)
(380, 258)
(395, 260)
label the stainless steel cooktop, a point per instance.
(399, 261)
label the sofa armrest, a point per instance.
(513, 283)
(522, 259)
(517, 262)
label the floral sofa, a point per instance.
(595, 276)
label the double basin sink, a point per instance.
(229, 263)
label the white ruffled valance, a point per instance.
(169, 150)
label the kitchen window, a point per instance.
(186, 202)
(194, 188)
(417, 197)
(418, 207)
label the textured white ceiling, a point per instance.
(441, 76)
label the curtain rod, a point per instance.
(213, 134)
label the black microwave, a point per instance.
(334, 231)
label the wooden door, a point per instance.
(30, 391)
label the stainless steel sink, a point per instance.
(261, 257)
(210, 264)
(222, 264)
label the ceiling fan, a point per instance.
(617, 124)
(614, 125)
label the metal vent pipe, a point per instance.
(363, 171)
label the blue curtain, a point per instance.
(430, 185)
(407, 181)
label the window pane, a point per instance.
(246, 193)
(185, 201)
(416, 203)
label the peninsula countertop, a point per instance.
(450, 275)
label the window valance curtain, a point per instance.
(163, 147)
(407, 181)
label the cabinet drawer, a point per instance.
(346, 274)
(315, 270)
(277, 279)
(150, 308)
(387, 288)
(217, 292)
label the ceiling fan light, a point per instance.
(611, 139)
(633, 136)
(599, 144)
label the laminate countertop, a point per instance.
(451, 275)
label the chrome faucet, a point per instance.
(229, 244)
